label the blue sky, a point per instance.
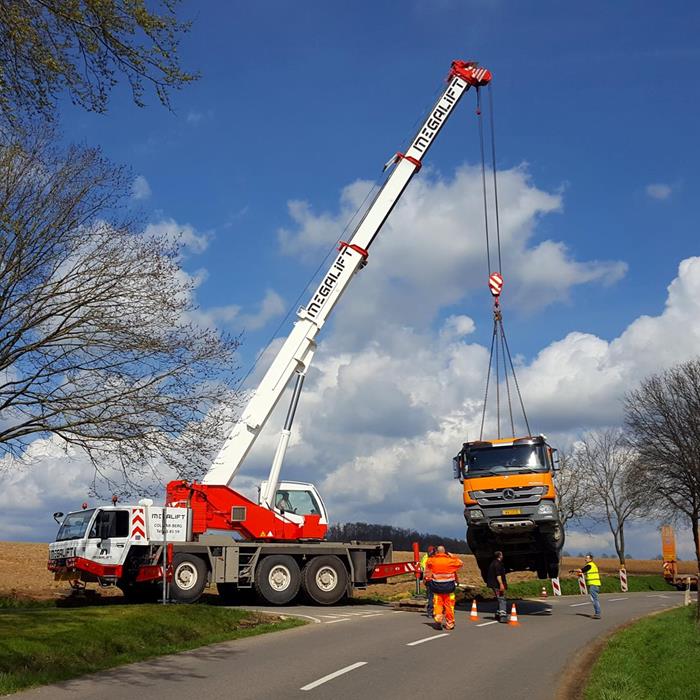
(597, 139)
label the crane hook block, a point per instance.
(495, 284)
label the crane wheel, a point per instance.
(277, 579)
(324, 579)
(189, 578)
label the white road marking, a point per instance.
(331, 616)
(428, 639)
(342, 619)
(578, 605)
(657, 595)
(277, 612)
(372, 614)
(612, 600)
(483, 624)
(331, 676)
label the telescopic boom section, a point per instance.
(297, 351)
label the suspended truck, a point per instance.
(280, 547)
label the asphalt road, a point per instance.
(367, 651)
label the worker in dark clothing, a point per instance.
(496, 581)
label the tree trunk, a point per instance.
(694, 518)
(621, 552)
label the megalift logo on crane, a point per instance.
(436, 119)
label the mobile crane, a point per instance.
(281, 547)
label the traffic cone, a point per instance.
(543, 594)
(513, 619)
(474, 615)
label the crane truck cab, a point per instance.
(295, 499)
(510, 503)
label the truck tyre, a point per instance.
(228, 592)
(189, 578)
(277, 579)
(324, 579)
(141, 592)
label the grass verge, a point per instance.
(658, 657)
(610, 584)
(45, 645)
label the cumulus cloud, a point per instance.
(659, 190)
(190, 239)
(232, 315)
(431, 249)
(140, 189)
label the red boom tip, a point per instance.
(471, 72)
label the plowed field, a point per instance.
(23, 572)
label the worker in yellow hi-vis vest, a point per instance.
(593, 582)
(426, 583)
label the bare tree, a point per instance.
(608, 460)
(47, 46)
(574, 496)
(95, 342)
(663, 417)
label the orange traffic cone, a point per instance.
(544, 592)
(474, 615)
(513, 619)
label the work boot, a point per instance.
(596, 617)
(439, 621)
(450, 626)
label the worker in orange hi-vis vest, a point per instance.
(441, 570)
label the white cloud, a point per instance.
(190, 239)
(659, 190)
(231, 316)
(194, 117)
(140, 189)
(431, 250)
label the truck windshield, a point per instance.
(75, 525)
(515, 458)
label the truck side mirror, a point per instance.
(556, 464)
(57, 516)
(457, 469)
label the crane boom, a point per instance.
(296, 352)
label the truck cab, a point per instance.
(510, 503)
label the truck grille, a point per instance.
(521, 495)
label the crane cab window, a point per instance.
(298, 502)
(111, 523)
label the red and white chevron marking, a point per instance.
(138, 523)
(495, 284)
(582, 588)
(623, 580)
(556, 586)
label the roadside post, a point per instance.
(165, 559)
(416, 559)
(556, 586)
(686, 597)
(623, 579)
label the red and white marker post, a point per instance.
(556, 586)
(623, 580)
(582, 588)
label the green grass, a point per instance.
(45, 645)
(611, 584)
(658, 657)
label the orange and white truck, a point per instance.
(510, 503)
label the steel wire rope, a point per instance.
(505, 376)
(295, 305)
(488, 378)
(517, 386)
(495, 179)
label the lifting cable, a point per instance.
(499, 355)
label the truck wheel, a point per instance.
(189, 578)
(228, 592)
(277, 579)
(141, 592)
(325, 579)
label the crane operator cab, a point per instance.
(295, 499)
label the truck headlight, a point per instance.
(476, 514)
(545, 509)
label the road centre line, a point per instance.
(578, 605)
(342, 619)
(331, 676)
(657, 595)
(612, 600)
(427, 639)
(483, 624)
(372, 614)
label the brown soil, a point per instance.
(23, 573)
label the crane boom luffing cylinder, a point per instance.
(297, 351)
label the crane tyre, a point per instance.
(324, 579)
(277, 579)
(228, 592)
(189, 578)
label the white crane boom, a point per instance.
(296, 352)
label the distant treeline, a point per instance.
(402, 538)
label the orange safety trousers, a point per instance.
(444, 604)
